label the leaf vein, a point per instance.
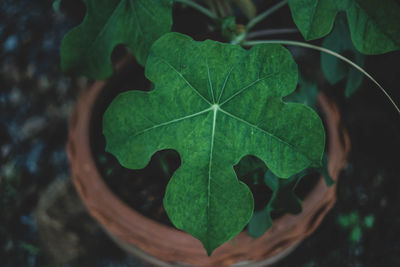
(280, 140)
(209, 81)
(103, 29)
(186, 81)
(246, 87)
(170, 122)
(375, 22)
(215, 109)
(138, 26)
(312, 18)
(146, 9)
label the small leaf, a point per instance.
(249, 165)
(283, 200)
(259, 223)
(369, 221)
(356, 234)
(324, 171)
(214, 103)
(374, 25)
(306, 93)
(228, 27)
(336, 70)
(57, 6)
(348, 221)
(343, 221)
(271, 181)
(87, 48)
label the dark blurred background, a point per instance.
(43, 222)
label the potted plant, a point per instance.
(216, 103)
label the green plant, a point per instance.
(217, 102)
(355, 224)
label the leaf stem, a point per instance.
(212, 6)
(265, 14)
(200, 8)
(256, 20)
(271, 32)
(247, 7)
(224, 8)
(330, 52)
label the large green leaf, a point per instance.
(214, 103)
(374, 25)
(335, 69)
(135, 23)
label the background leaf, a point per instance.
(336, 70)
(250, 166)
(260, 222)
(325, 171)
(314, 18)
(135, 23)
(57, 6)
(306, 93)
(214, 103)
(374, 25)
(283, 200)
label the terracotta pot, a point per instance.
(165, 246)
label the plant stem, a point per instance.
(271, 32)
(256, 20)
(200, 8)
(265, 14)
(219, 8)
(247, 6)
(330, 52)
(211, 5)
(223, 7)
(228, 7)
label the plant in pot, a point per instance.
(228, 112)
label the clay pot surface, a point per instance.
(165, 246)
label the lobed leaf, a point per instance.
(374, 25)
(87, 48)
(214, 103)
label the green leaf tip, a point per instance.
(214, 103)
(374, 25)
(57, 6)
(87, 48)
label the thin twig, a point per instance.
(211, 5)
(330, 52)
(200, 8)
(265, 14)
(260, 33)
